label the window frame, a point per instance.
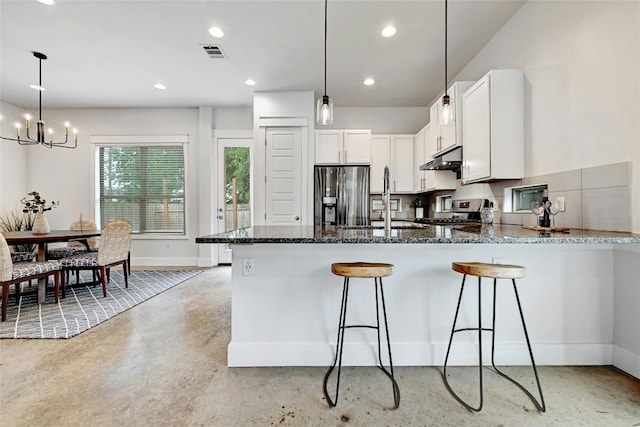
(99, 141)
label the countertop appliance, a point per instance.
(341, 195)
(463, 212)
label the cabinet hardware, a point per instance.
(345, 156)
(339, 157)
(297, 218)
(219, 216)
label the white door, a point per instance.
(283, 176)
(235, 189)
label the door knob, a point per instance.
(220, 216)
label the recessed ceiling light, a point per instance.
(159, 86)
(250, 82)
(388, 31)
(47, 2)
(216, 32)
(369, 81)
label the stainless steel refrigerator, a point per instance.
(341, 195)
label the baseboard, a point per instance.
(626, 361)
(414, 354)
(159, 262)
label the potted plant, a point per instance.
(33, 203)
(418, 204)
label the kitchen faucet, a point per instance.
(386, 198)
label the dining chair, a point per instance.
(14, 274)
(75, 248)
(115, 244)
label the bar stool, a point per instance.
(494, 271)
(366, 271)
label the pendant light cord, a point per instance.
(40, 90)
(445, 45)
(325, 47)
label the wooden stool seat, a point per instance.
(494, 271)
(364, 270)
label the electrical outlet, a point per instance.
(168, 243)
(247, 267)
(560, 202)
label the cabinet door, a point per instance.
(433, 139)
(357, 147)
(380, 157)
(328, 149)
(440, 180)
(418, 160)
(402, 169)
(477, 132)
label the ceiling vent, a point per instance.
(214, 51)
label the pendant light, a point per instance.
(324, 109)
(445, 113)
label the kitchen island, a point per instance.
(579, 292)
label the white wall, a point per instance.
(65, 175)
(380, 120)
(581, 61)
(233, 118)
(276, 107)
(13, 162)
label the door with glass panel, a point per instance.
(234, 189)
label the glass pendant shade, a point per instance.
(445, 112)
(324, 111)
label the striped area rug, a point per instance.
(85, 306)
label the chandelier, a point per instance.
(42, 137)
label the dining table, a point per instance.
(42, 240)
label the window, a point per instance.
(519, 199)
(144, 184)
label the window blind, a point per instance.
(144, 184)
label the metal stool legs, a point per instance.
(340, 344)
(540, 405)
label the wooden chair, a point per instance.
(14, 274)
(115, 244)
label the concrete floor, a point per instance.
(163, 363)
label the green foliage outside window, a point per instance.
(237, 166)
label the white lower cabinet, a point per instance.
(493, 127)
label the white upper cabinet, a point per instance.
(395, 151)
(380, 157)
(424, 181)
(447, 137)
(402, 163)
(341, 147)
(419, 143)
(493, 127)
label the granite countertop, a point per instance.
(428, 234)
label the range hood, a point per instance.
(451, 160)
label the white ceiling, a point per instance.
(108, 54)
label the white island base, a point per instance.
(286, 314)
